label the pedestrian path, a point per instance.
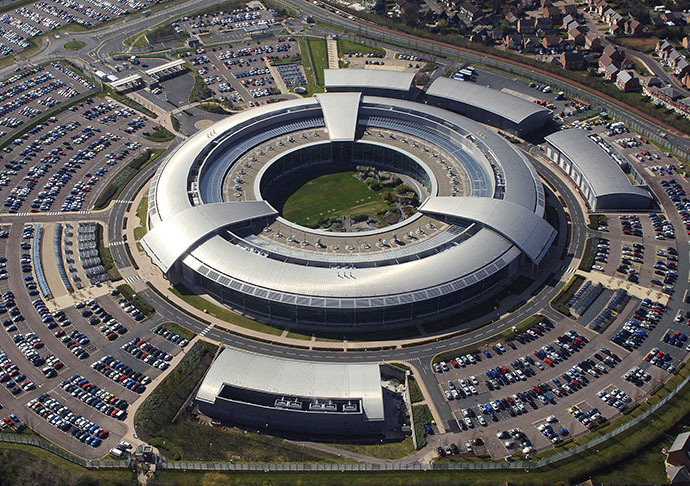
(116, 243)
(132, 278)
(332, 50)
(206, 330)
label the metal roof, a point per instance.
(127, 80)
(340, 114)
(597, 167)
(290, 377)
(235, 265)
(503, 104)
(163, 67)
(248, 271)
(170, 239)
(368, 79)
(531, 233)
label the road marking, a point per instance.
(205, 331)
(116, 243)
(132, 278)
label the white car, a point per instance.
(598, 267)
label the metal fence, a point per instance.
(36, 442)
(365, 467)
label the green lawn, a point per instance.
(332, 196)
(227, 315)
(319, 56)
(160, 135)
(415, 392)
(309, 69)
(75, 45)
(347, 46)
(142, 209)
(387, 450)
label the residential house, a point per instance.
(483, 35)
(512, 17)
(614, 53)
(513, 41)
(569, 9)
(627, 82)
(678, 460)
(633, 27)
(674, 18)
(681, 68)
(553, 13)
(611, 72)
(551, 42)
(573, 60)
(686, 42)
(601, 7)
(567, 19)
(662, 48)
(592, 41)
(672, 58)
(531, 43)
(577, 37)
(686, 80)
(543, 23)
(527, 25)
(469, 12)
(652, 82)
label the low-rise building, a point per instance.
(573, 60)
(627, 81)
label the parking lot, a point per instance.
(23, 23)
(62, 164)
(221, 26)
(557, 372)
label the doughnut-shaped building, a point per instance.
(213, 223)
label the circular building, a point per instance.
(214, 224)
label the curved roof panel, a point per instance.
(597, 166)
(291, 377)
(340, 114)
(507, 106)
(368, 79)
(529, 232)
(171, 238)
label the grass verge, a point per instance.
(208, 307)
(161, 406)
(106, 256)
(113, 190)
(133, 297)
(200, 91)
(309, 70)
(347, 46)
(384, 450)
(141, 213)
(319, 57)
(588, 255)
(28, 465)
(161, 135)
(422, 416)
(415, 392)
(569, 289)
(179, 330)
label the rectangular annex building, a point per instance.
(371, 82)
(602, 174)
(307, 398)
(488, 106)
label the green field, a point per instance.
(332, 196)
(347, 46)
(319, 56)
